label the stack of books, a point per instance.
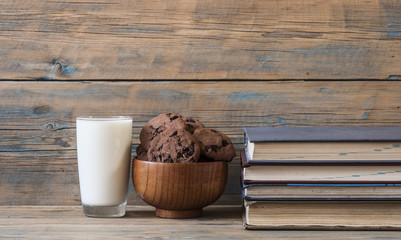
(321, 177)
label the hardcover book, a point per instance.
(322, 215)
(346, 145)
(285, 173)
(301, 192)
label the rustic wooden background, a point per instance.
(229, 63)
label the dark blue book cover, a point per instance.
(323, 145)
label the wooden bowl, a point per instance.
(179, 190)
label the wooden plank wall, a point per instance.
(200, 39)
(229, 63)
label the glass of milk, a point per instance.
(104, 154)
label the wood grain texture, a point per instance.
(179, 190)
(37, 121)
(188, 39)
(218, 222)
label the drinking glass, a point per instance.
(104, 153)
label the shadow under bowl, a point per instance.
(179, 190)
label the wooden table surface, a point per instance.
(217, 222)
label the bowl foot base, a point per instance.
(194, 213)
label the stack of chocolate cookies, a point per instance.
(171, 138)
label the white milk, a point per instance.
(104, 152)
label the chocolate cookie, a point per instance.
(192, 124)
(214, 145)
(159, 124)
(141, 153)
(178, 146)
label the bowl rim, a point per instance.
(180, 164)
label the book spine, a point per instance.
(245, 139)
(244, 158)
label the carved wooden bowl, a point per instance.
(179, 190)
